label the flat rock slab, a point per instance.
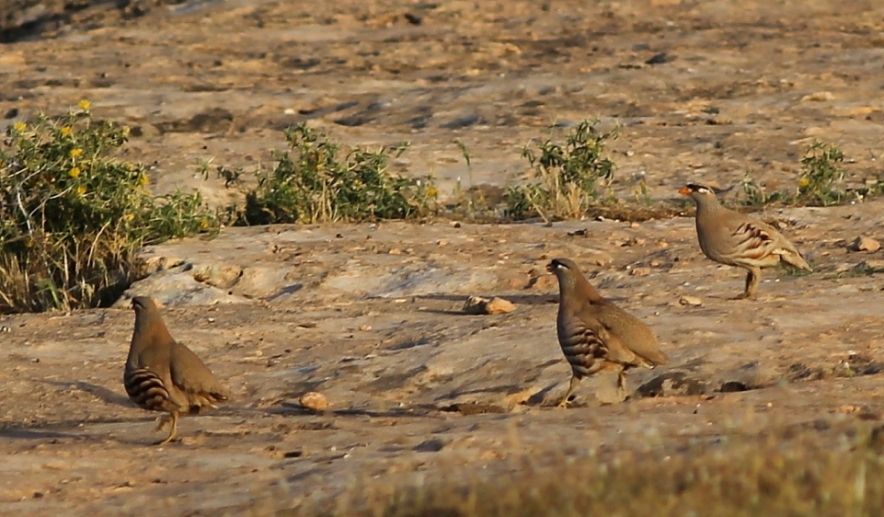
(371, 316)
(408, 378)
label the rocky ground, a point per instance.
(369, 315)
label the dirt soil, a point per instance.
(369, 315)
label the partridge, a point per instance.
(735, 239)
(597, 335)
(164, 375)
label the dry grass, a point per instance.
(801, 471)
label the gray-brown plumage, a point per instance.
(597, 335)
(164, 375)
(735, 239)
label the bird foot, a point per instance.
(743, 296)
(168, 439)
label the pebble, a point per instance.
(818, 97)
(690, 300)
(865, 244)
(870, 266)
(496, 305)
(314, 400)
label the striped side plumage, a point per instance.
(582, 347)
(146, 389)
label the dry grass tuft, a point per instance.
(801, 472)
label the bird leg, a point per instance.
(173, 433)
(162, 422)
(621, 381)
(752, 278)
(575, 380)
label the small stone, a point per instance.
(818, 97)
(314, 400)
(442, 242)
(395, 251)
(690, 300)
(365, 328)
(479, 305)
(870, 266)
(640, 271)
(499, 305)
(634, 241)
(865, 244)
(601, 260)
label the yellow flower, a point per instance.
(66, 131)
(142, 180)
(81, 190)
(74, 173)
(19, 126)
(204, 224)
(76, 152)
(128, 217)
(432, 192)
(803, 182)
(84, 104)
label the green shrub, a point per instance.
(820, 176)
(71, 216)
(753, 194)
(820, 182)
(312, 183)
(569, 175)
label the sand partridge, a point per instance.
(735, 239)
(597, 335)
(164, 375)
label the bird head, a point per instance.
(561, 266)
(698, 193)
(140, 303)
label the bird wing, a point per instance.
(191, 376)
(638, 341)
(756, 241)
(610, 345)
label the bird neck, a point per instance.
(708, 205)
(576, 287)
(589, 291)
(149, 330)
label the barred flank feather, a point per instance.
(582, 348)
(146, 389)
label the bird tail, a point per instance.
(654, 358)
(794, 259)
